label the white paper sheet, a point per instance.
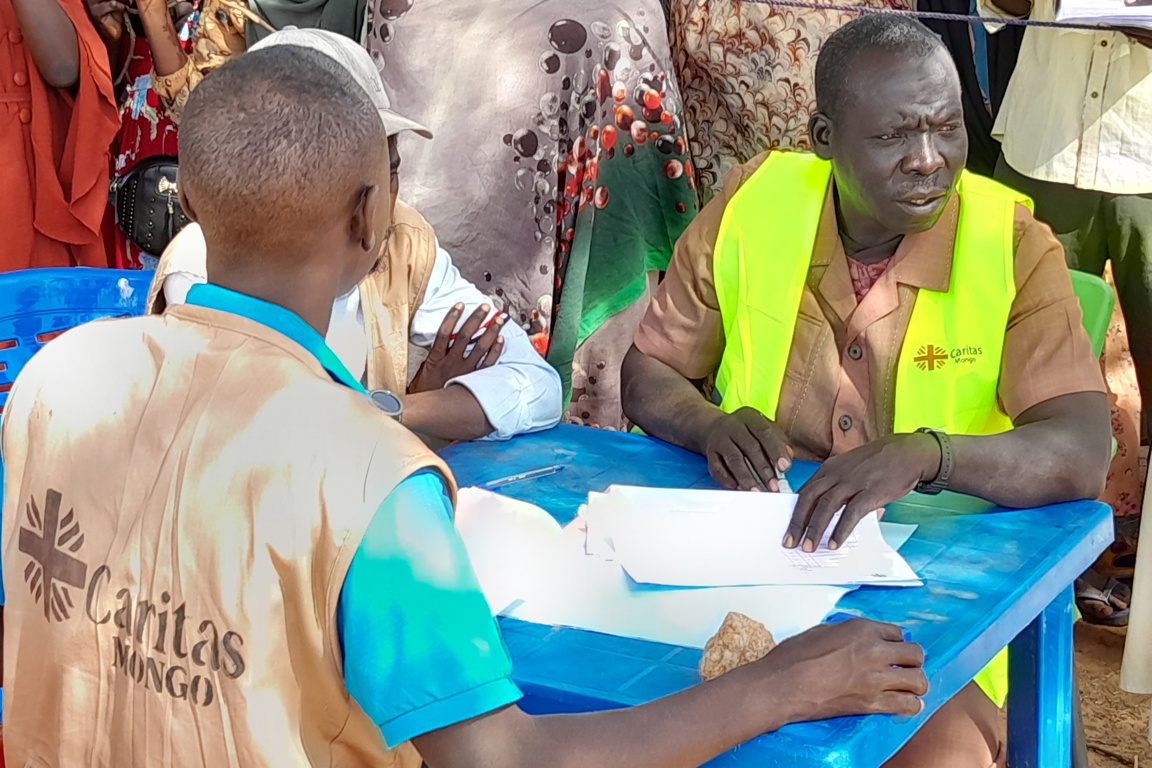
(1111, 13)
(513, 545)
(532, 570)
(728, 538)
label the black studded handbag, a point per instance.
(146, 203)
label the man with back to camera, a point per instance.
(272, 577)
(873, 307)
(481, 378)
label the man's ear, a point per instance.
(820, 134)
(366, 215)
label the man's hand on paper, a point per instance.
(742, 438)
(860, 481)
(858, 667)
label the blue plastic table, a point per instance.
(992, 577)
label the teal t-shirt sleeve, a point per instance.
(421, 649)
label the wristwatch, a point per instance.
(388, 402)
(944, 476)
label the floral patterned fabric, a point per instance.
(217, 37)
(1126, 476)
(746, 71)
(864, 276)
(146, 130)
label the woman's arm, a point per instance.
(51, 39)
(167, 55)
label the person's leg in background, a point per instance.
(1129, 225)
(1075, 215)
(1129, 219)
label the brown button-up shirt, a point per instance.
(839, 385)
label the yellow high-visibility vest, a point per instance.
(949, 366)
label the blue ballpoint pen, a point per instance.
(531, 475)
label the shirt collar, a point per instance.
(923, 259)
(279, 319)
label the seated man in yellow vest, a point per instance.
(220, 552)
(875, 307)
(496, 387)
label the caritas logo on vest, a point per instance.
(930, 357)
(156, 644)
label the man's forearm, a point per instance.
(1058, 452)
(684, 730)
(680, 731)
(452, 413)
(665, 404)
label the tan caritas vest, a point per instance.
(184, 495)
(389, 297)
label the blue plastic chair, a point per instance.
(37, 305)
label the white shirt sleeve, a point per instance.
(521, 392)
(177, 285)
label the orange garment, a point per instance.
(54, 151)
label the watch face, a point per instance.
(387, 402)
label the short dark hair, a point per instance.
(277, 142)
(885, 32)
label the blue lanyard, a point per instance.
(278, 319)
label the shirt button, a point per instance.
(20, 79)
(14, 36)
(25, 116)
(1103, 43)
(855, 352)
(845, 423)
(1095, 94)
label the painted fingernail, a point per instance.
(789, 542)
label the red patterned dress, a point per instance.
(145, 131)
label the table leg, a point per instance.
(1041, 689)
(1079, 740)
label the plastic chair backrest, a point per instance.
(1096, 302)
(37, 305)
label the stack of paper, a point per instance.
(531, 569)
(729, 538)
(1109, 13)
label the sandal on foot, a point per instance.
(1103, 600)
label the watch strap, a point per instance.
(947, 462)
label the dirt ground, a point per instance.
(1116, 723)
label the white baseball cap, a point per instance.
(358, 63)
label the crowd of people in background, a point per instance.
(575, 142)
